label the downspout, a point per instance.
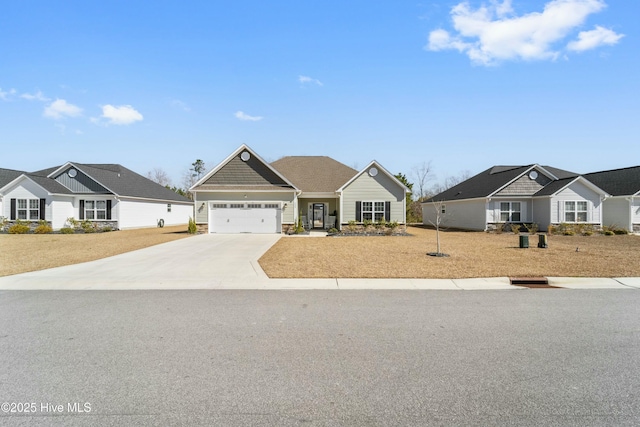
(630, 200)
(118, 209)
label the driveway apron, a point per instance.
(201, 261)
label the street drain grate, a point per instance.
(531, 282)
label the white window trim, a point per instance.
(575, 211)
(373, 210)
(95, 210)
(509, 212)
(28, 209)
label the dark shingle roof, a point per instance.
(489, 181)
(125, 182)
(617, 182)
(118, 179)
(8, 175)
(314, 173)
(554, 186)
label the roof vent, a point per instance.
(373, 172)
(533, 174)
(72, 173)
(245, 156)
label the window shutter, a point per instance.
(561, 211)
(13, 214)
(387, 211)
(359, 211)
(108, 209)
(81, 213)
(43, 207)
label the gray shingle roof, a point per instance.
(490, 180)
(617, 182)
(320, 174)
(118, 179)
(8, 175)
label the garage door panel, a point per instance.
(244, 220)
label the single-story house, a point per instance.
(105, 194)
(246, 194)
(517, 194)
(622, 209)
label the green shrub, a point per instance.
(515, 228)
(333, 230)
(67, 230)
(192, 228)
(381, 224)
(531, 228)
(499, 227)
(88, 226)
(351, 225)
(608, 233)
(367, 222)
(620, 231)
(73, 223)
(392, 225)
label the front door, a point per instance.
(318, 215)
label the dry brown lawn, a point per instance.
(20, 253)
(472, 254)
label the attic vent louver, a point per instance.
(245, 156)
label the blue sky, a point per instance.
(464, 85)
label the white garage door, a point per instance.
(245, 218)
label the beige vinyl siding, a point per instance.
(285, 197)
(463, 214)
(380, 188)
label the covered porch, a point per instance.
(319, 213)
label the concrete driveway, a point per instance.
(203, 261)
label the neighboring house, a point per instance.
(622, 209)
(105, 194)
(245, 194)
(517, 194)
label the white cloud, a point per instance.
(594, 38)
(307, 79)
(242, 116)
(181, 105)
(491, 34)
(122, 115)
(38, 96)
(5, 95)
(60, 109)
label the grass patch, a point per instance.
(471, 254)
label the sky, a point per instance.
(464, 85)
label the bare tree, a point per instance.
(422, 174)
(440, 212)
(159, 176)
(193, 175)
(449, 182)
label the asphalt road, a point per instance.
(548, 357)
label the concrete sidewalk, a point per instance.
(231, 262)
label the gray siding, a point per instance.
(239, 172)
(525, 186)
(616, 211)
(81, 183)
(542, 213)
(380, 188)
(464, 214)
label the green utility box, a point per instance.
(524, 241)
(542, 241)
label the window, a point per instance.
(373, 211)
(443, 209)
(219, 206)
(271, 206)
(237, 205)
(95, 210)
(575, 211)
(28, 209)
(168, 207)
(254, 205)
(510, 212)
